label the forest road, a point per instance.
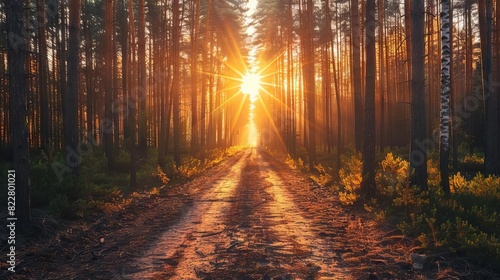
(255, 218)
(249, 217)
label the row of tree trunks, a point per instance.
(17, 53)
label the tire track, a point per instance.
(270, 237)
(192, 244)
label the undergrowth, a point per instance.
(465, 221)
(95, 187)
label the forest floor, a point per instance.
(250, 217)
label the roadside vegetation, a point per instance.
(96, 188)
(466, 222)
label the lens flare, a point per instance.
(250, 84)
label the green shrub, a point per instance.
(46, 185)
(467, 219)
(393, 172)
(473, 159)
(471, 164)
(323, 177)
(190, 166)
(350, 179)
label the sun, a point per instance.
(250, 84)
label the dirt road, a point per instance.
(251, 217)
(261, 221)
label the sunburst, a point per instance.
(250, 84)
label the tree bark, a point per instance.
(71, 100)
(88, 76)
(368, 187)
(132, 100)
(194, 77)
(143, 132)
(107, 123)
(381, 61)
(418, 153)
(309, 81)
(497, 89)
(125, 66)
(490, 128)
(62, 65)
(45, 127)
(176, 80)
(356, 75)
(444, 147)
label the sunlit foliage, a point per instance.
(350, 180)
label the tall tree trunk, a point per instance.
(444, 148)
(176, 80)
(406, 88)
(418, 154)
(107, 123)
(88, 75)
(291, 80)
(453, 98)
(194, 77)
(143, 132)
(162, 141)
(218, 108)
(309, 80)
(497, 89)
(45, 127)
(114, 111)
(337, 97)
(17, 52)
(431, 95)
(381, 61)
(325, 64)
(71, 100)
(356, 75)
(468, 67)
(125, 66)
(132, 101)
(490, 128)
(62, 63)
(326, 85)
(204, 79)
(368, 179)
(290, 134)
(409, 34)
